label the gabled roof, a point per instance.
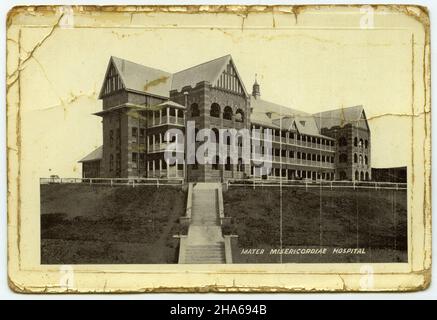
(275, 109)
(94, 155)
(208, 71)
(139, 78)
(339, 117)
(266, 112)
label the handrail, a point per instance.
(319, 183)
(115, 181)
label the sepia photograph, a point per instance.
(235, 142)
(303, 190)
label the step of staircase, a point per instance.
(204, 242)
(211, 253)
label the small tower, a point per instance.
(255, 89)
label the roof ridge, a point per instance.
(198, 65)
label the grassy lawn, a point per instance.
(83, 224)
(341, 218)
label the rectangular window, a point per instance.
(142, 160)
(134, 134)
(134, 160)
(142, 136)
(111, 162)
(118, 163)
(111, 138)
(117, 138)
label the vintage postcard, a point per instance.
(218, 148)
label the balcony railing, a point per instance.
(295, 142)
(164, 120)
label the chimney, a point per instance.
(255, 89)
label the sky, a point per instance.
(318, 65)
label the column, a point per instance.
(168, 115)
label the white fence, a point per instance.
(115, 181)
(317, 184)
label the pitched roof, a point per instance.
(171, 104)
(143, 79)
(274, 108)
(207, 71)
(140, 78)
(338, 117)
(94, 155)
(274, 115)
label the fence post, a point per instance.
(157, 183)
(111, 182)
(354, 184)
(91, 181)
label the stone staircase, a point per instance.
(204, 242)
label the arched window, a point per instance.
(355, 141)
(215, 110)
(239, 115)
(355, 158)
(195, 110)
(366, 160)
(215, 163)
(367, 176)
(366, 144)
(227, 113)
(228, 140)
(228, 164)
(343, 158)
(357, 176)
(239, 141)
(361, 159)
(362, 176)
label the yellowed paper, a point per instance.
(312, 59)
